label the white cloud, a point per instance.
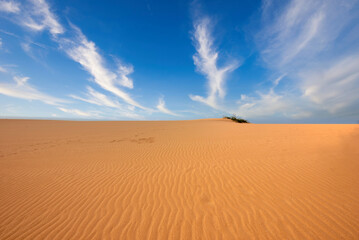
(21, 81)
(206, 62)
(26, 47)
(312, 42)
(40, 17)
(98, 98)
(76, 112)
(291, 32)
(36, 51)
(302, 30)
(266, 104)
(333, 87)
(123, 79)
(9, 6)
(278, 79)
(22, 89)
(2, 69)
(37, 16)
(34, 15)
(162, 107)
(86, 53)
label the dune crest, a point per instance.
(207, 179)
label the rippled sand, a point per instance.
(201, 179)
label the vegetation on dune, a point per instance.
(236, 119)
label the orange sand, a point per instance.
(201, 179)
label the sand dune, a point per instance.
(203, 179)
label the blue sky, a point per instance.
(267, 61)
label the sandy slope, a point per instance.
(202, 179)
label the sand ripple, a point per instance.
(204, 179)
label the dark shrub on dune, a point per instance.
(236, 119)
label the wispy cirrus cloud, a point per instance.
(161, 106)
(35, 51)
(122, 75)
(77, 112)
(85, 52)
(97, 98)
(266, 103)
(305, 31)
(40, 17)
(333, 86)
(9, 6)
(313, 43)
(26, 42)
(292, 33)
(20, 88)
(206, 61)
(36, 15)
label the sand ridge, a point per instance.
(202, 179)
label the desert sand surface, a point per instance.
(199, 179)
